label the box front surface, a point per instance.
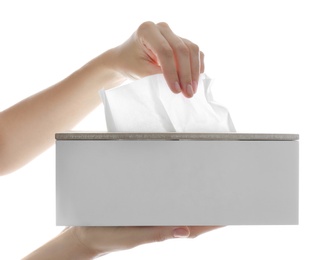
(185, 182)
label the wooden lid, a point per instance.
(176, 136)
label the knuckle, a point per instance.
(194, 47)
(144, 27)
(163, 25)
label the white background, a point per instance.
(272, 61)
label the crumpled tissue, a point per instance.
(148, 105)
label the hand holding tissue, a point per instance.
(148, 105)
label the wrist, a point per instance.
(111, 61)
(121, 60)
(104, 69)
(65, 246)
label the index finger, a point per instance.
(184, 57)
(151, 38)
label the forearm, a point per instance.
(65, 246)
(27, 128)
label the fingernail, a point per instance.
(177, 87)
(190, 90)
(195, 86)
(180, 233)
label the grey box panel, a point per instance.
(145, 183)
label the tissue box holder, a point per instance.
(161, 179)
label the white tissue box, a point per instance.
(148, 179)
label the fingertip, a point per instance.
(181, 232)
(163, 233)
(187, 91)
(195, 86)
(202, 64)
(177, 88)
(190, 90)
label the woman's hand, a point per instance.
(87, 243)
(153, 49)
(102, 240)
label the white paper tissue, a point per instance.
(148, 105)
